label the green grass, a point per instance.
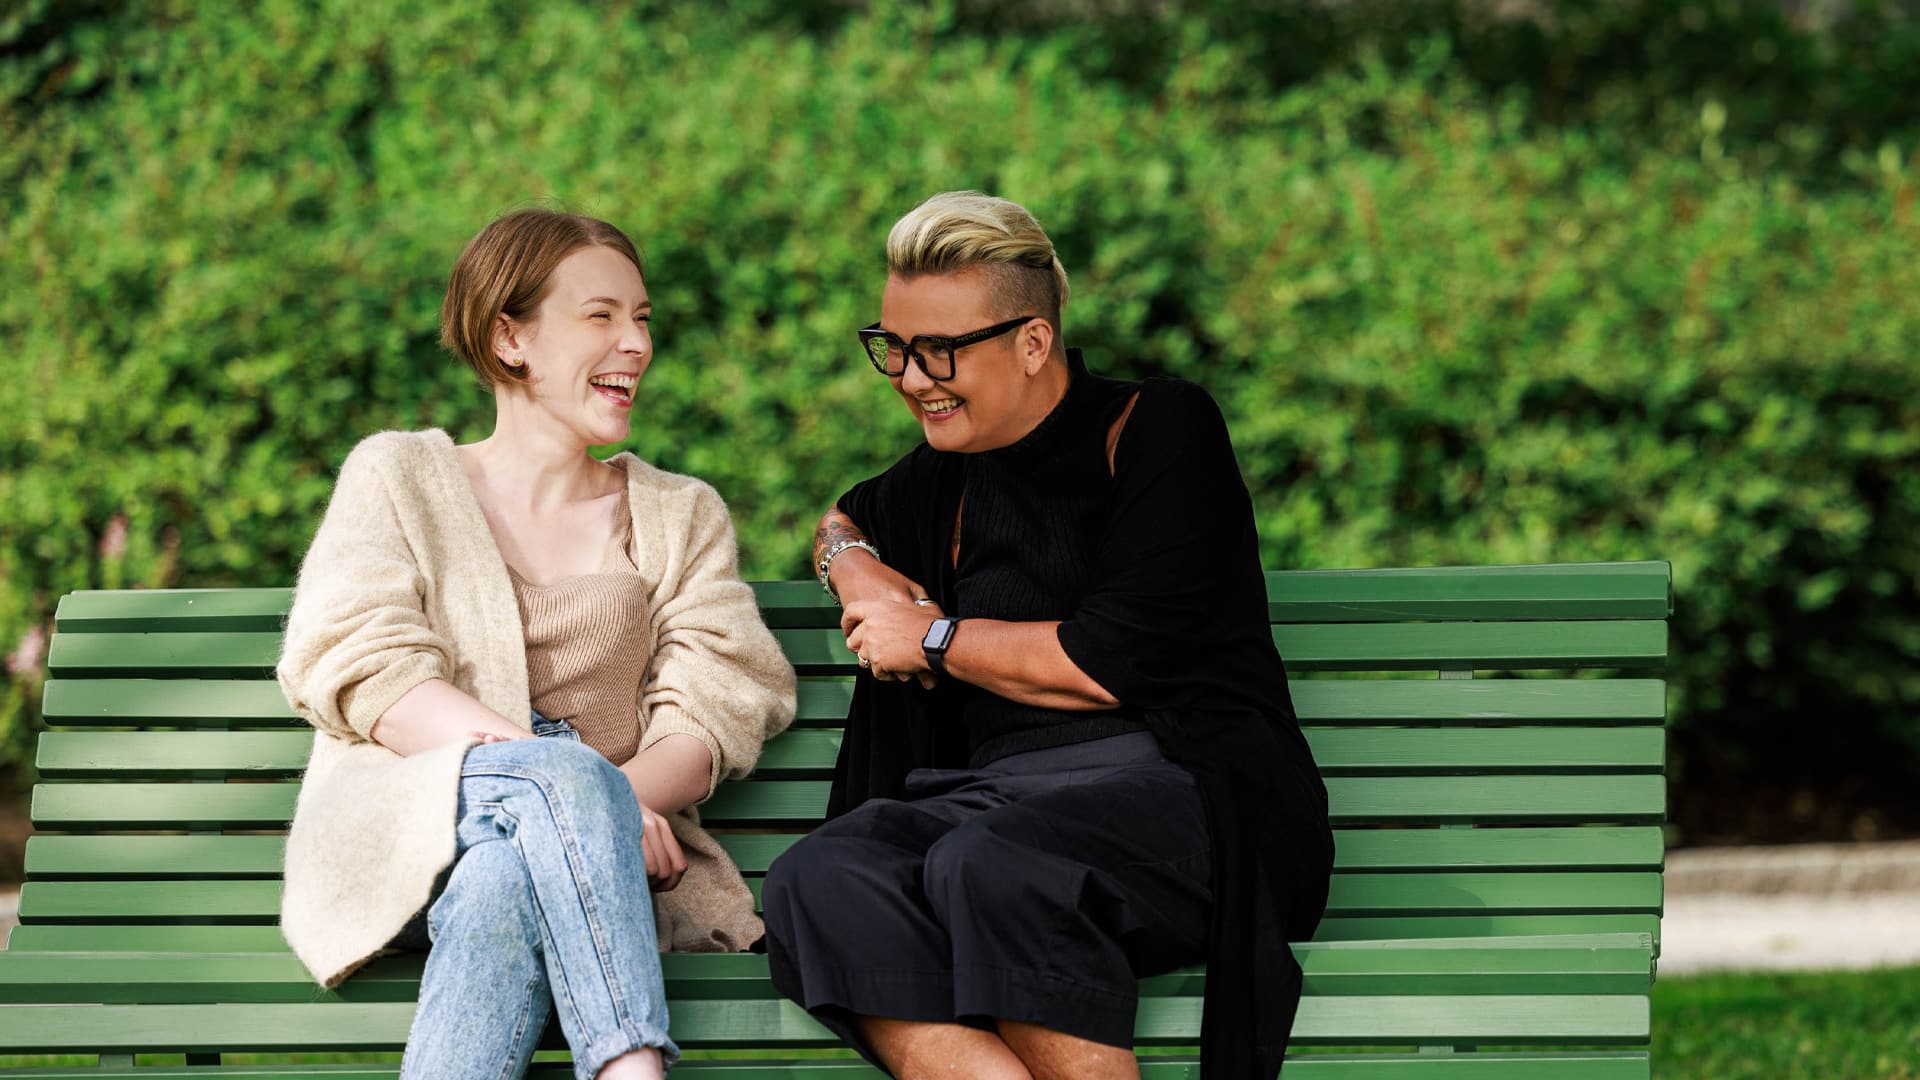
(1831, 1025)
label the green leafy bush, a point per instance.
(1451, 318)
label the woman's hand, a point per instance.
(886, 635)
(486, 737)
(665, 861)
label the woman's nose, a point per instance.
(637, 341)
(915, 378)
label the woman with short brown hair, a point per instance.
(525, 667)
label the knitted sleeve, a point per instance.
(717, 673)
(357, 637)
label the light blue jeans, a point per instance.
(546, 906)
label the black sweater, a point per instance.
(1170, 617)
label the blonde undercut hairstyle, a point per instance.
(960, 230)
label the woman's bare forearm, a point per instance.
(1023, 662)
(434, 714)
(856, 575)
(834, 528)
(670, 775)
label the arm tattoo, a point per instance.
(834, 527)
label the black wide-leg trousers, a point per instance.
(1038, 889)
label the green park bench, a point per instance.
(1495, 906)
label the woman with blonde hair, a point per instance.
(525, 667)
(1071, 760)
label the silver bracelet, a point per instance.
(826, 561)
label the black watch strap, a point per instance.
(939, 637)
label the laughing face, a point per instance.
(993, 398)
(587, 345)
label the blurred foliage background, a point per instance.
(1474, 281)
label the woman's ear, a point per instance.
(508, 343)
(1036, 345)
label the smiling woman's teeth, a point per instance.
(941, 406)
(619, 382)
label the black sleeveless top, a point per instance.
(1030, 518)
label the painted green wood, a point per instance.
(1492, 848)
(1618, 965)
(54, 857)
(1399, 799)
(1627, 590)
(1479, 701)
(1309, 647)
(1350, 895)
(1483, 925)
(122, 702)
(1635, 590)
(1519, 799)
(1378, 646)
(66, 755)
(1622, 590)
(128, 937)
(133, 858)
(1465, 1020)
(1533, 763)
(823, 701)
(176, 938)
(163, 806)
(150, 610)
(88, 755)
(1519, 1065)
(1570, 1065)
(197, 654)
(257, 702)
(810, 753)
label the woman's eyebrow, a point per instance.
(644, 305)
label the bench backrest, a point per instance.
(1465, 805)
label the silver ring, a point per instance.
(865, 663)
(923, 601)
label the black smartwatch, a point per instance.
(939, 636)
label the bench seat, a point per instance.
(1495, 908)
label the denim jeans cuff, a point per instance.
(633, 1036)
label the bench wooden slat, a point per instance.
(1307, 647)
(65, 755)
(1351, 894)
(1511, 1065)
(258, 702)
(1514, 1065)
(182, 938)
(1593, 965)
(54, 857)
(1626, 590)
(341, 1026)
(1519, 799)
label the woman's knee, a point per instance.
(487, 887)
(977, 864)
(570, 770)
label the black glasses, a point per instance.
(888, 353)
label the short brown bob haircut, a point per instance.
(504, 271)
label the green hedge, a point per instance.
(1449, 321)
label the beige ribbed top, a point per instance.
(404, 583)
(583, 636)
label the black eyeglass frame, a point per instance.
(910, 350)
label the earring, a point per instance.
(516, 361)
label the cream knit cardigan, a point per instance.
(403, 583)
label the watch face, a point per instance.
(938, 635)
